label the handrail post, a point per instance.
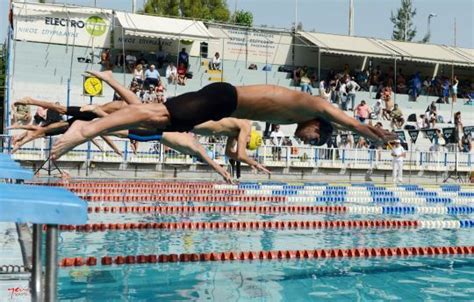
(51, 273)
(37, 265)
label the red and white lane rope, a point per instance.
(363, 252)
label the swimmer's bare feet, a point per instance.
(89, 108)
(23, 101)
(72, 138)
(103, 75)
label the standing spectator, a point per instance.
(160, 56)
(351, 88)
(458, 129)
(105, 59)
(377, 110)
(297, 76)
(386, 96)
(131, 60)
(362, 111)
(138, 74)
(426, 88)
(215, 63)
(454, 89)
(152, 76)
(276, 137)
(171, 74)
(398, 154)
(397, 117)
(445, 90)
(181, 74)
(415, 87)
(305, 81)
(183, 58)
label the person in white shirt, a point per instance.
(216, 62)
(276, 137)
(398, 154)
(171, 73)
(351, 87)
(377, 110)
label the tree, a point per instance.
(403, 29)
(213, 10)
(244, 18)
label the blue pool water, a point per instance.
(404, 279)
(434, 278)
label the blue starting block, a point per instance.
(41, 206)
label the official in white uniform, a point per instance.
(398, 154)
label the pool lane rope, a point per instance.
(319, 254)
(256, 225)
(350, 209)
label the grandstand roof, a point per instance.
(347, 45)
(364, 46)
(161, 27)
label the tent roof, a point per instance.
(161, 27)
(348, 45)
(364, 46)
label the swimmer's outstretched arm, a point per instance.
(38, 132)
(127, 95)
(336, 115)
(112, 145)
(40, 103)
(187, 144)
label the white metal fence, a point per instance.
(271, 156)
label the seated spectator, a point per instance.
(362, 143)
(347, 141)
(267, 67)
(105, 59)
(150, 96)
(426, 87)
(276, 138)
(467, 143)
(138, 75)
(253, 66)
(422, 122)
(152, 76)
(160, 56)
(362, 112)
(171, 74)
(297, 76)
(181, 74)
(215, 63)
(21, 115)
(438, 141)
(142, 60)
(131, 61)
(397, 117)
(183, 58)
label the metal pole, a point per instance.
(51, 274)
(177, 65)
(395, 81)
(319, 66)
(37, 265)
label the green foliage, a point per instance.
(403, 29)
(244, 18)
(214, 10)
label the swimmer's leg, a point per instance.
(149, 116)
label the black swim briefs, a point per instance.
(76, 114)
(213, 102)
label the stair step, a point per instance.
(212, 71)
(216, 79)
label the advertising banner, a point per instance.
(62, 25)
(251, 45)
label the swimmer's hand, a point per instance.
(261, 168)
(102, 75)
(385, 136)
(89, 108)
(227, 177)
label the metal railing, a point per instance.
(271, 156)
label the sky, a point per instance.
(331, 16)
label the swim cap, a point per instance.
(255, 140)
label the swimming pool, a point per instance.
(172, 219)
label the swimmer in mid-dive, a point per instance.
(182, 142)
(266, 103)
